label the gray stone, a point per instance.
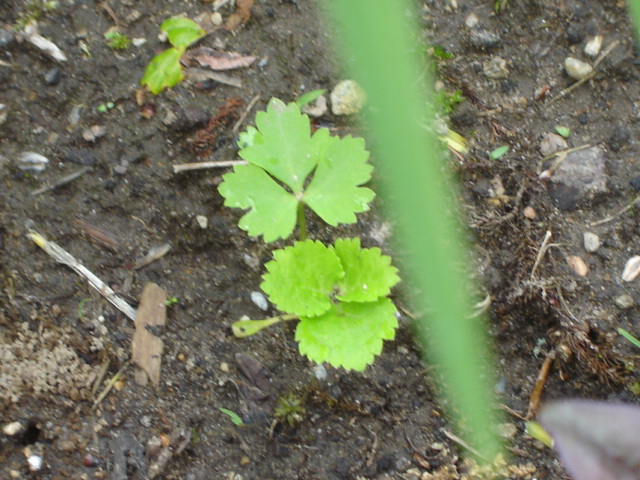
(483, 39)
(551, 143)
(580, 178)
(591, 242)
(624, 301)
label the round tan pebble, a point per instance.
(530, 213)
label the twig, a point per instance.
(462, 443)
(236, 127)
(587, 77)
(374, 446)
(562, 156)
(536, 393)
(185, 167)
(109, 386)
(543, 249)
(62, 256)
(616, 215)
(62, 181)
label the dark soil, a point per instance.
(56, 332)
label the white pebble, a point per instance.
(319, 372)
(35, 462)
(202, 221)
(577, 265)
(631, 269)
(591, 242)
(577, 69)
(216, 18)
(471, 20)
(32, 161)
(260, 300)
(347, 98)
(593, 46)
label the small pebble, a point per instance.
(260, 300)
(624, 301)
(317, 108)
(319, 372)
(631, 269)
(577, 265)
(530, 213)
(35, 462)
(52, 77)
(216, 18)
(203, 222)
(471, 20)
(483, 39)
(507, 430)
(551, 143)
(32, 161)
(13, 428)
(6, 37)
(593, 46)
(591, 242)
(577, 69)
(495, 67)
(347, 98)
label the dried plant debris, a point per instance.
(41, 363)
(218, 60)
(147, 345)
(161, 449)
(240, 16)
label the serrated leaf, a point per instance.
(301, 278)
(349, 335)
(182, 32)
(272, 210)
(335, 193)
(369, 275)
(163, 71)
(283, 145)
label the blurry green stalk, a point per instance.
(379, 42)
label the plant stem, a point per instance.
(245, 328)
(302, 222)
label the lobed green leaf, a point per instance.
(335, 193)
(302, 277)
(272, 210)
(349, 335)
(369, 275)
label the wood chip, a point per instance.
(218, 60)
(240, 16)
(147, 345)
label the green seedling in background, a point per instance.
(629, 337)
(165, 70)
(309, 97)
(235, 418)
(117, 40)
(338, 293)
(449, 101)
(171, 301)
(282, 155)
(289, 409)
(498, 152)
(563, 131)
(105, 107)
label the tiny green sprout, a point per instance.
(165, 70)
(629, 337)
(235, 418)
(448, 102)
(340, 296)
(289, 409)
(498, 152)
(289, 168)
(117, 40)
(171, 301)
(105, 107)
(309, 97)
(563, 131)
(439, 52)
(81, 307)
(500, 6)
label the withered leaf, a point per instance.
(255, 372)
(217, 60)
(146, 346)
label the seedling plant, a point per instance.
(165, 70)
(339, 293)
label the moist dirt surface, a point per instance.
(552, 303)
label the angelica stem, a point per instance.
(302, 222)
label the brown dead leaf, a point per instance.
(217, 60)
(240, 16)
(147, 345)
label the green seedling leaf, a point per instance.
(163, 71)
(539, 433)
(349, 335)
(309, 97)
(498, 152)
(182, 32)
(629, 337)
(563, 131)
(235, 418)
(282, 144)
(369, 275)
(272, 209)
(301, 278)
(334, 192)
(283, 147)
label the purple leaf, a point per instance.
(595, 440)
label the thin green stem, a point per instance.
(246, 328)
(302, 221)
